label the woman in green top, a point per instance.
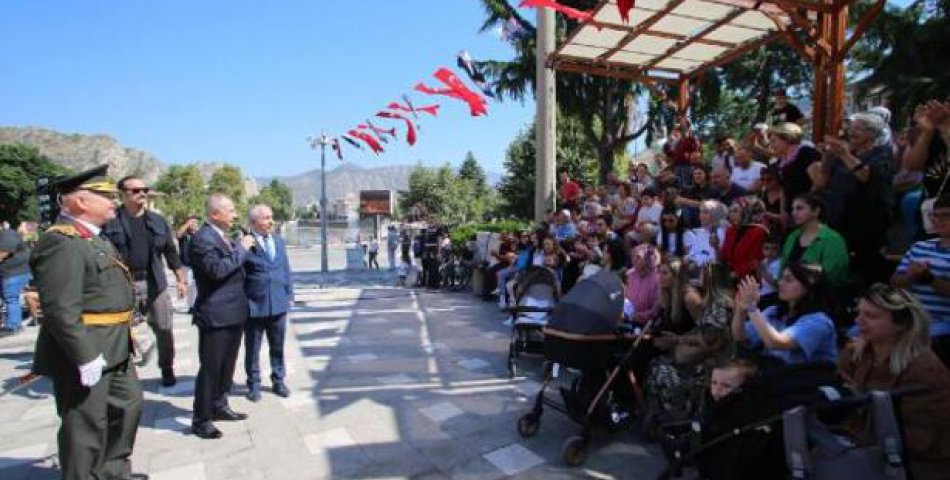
(815, 243)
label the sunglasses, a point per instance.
(136, 191)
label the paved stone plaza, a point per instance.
(388, 383)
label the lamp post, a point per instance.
(322, 142)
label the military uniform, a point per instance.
(86, 296)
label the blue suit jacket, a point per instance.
(218, 266)
(268, 285)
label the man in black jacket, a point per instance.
(142, 237)
(220, 312)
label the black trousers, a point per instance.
(217, 354)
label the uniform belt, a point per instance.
(107, 318)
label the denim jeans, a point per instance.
(254, 331)
(12, 288)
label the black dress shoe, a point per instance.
(281, 389)
(228, 415)
(206, 430)
(168, 377)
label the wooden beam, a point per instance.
(609, 71)
(806, 4)
(859, 29)
(644, 25)
(706, 31)
(682, 99)
(792, 40)
(734, 54)
(839, 27)
(808, 29)
(820, 94)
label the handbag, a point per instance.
(927, 206)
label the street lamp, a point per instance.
(322, 142)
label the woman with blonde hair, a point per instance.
(891, 351)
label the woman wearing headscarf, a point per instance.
(742, 247)
(643, 283)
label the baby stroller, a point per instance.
(776, 426)
(536, 293)
(584, 333)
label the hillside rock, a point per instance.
(80, 152)
(344, 181)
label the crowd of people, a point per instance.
(774, 247)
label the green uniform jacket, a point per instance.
(76, 272)
(828, 251)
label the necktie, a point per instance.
(269, 246)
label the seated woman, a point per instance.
(643, 283)
(673, 314)
(702, 243)
(892, 350)
(742, 247)
(814, 242)
(797, 330)
(671, 234)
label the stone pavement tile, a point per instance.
(513, 459)
(177, 423)
(233, 468)
(441, 411)
(23, 455)
(476, 469)
(182, 388)
(397, 379)
(193, 471)
(361, 357)
(474, 363)
(402, 332)
(320, 442)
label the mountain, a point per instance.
(80, 152)
(346, 180)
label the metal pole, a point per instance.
(323, 141)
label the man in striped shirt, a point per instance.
(925, 270)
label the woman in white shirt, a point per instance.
(702, 243)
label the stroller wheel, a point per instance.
(574, 451)
(528, 425)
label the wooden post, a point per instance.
(837, 37)
(682, 100)
(545, 118)
(820, 95)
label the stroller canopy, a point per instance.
(593, 307)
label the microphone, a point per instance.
(245, 232)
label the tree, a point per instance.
(229, 180)
(20, 167)
(905, 51)
(450, 197)
(597, 102)
(573, 154)
(279, 197)
(183, 192)
(472, 171)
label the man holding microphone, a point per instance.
(220, 312)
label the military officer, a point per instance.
(83, 343)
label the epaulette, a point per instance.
(64, 229)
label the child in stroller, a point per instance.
(536, 292)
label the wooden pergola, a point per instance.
(674, 41)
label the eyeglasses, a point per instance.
(136, 191)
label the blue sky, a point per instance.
(244, 81)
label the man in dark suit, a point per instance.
(220, 312)
(270, 294)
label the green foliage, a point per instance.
(229, 180)
(184, 193)
(905, 51)
(574, 154)
(462, 233)
(20, 167)
(279, 197)
(448, 196)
